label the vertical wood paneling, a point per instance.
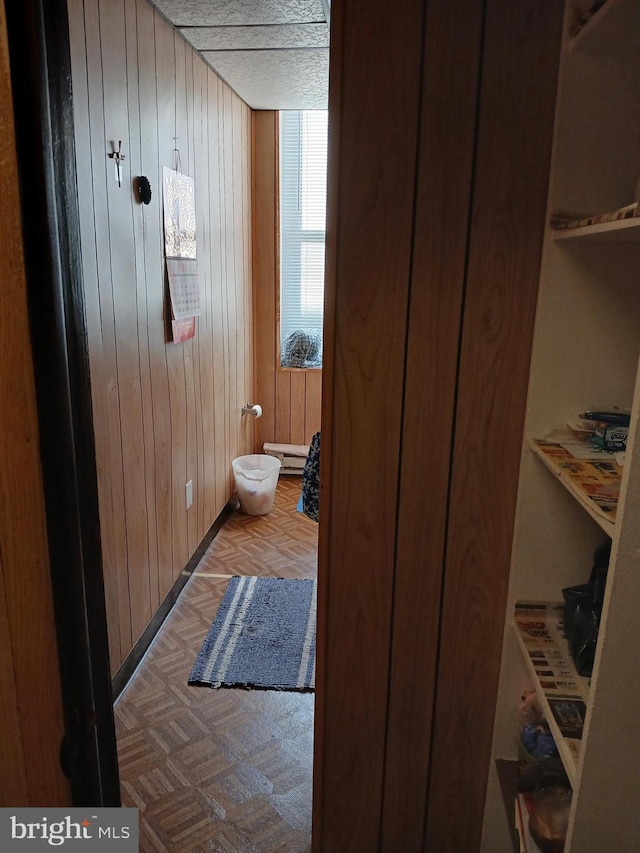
(158, 492)
(290, 399)
(248, 437)
(120, 122)
(298, 404)
(264, 134)
(283, 406)
(443, 200)
(222, 458)
(128, 430)
(202, 348)
(232, 331)
(30, 698)
(313, 404)
(174, 136)
(93, 310)
(516, 107)
(172, 355)
(135, 167)
(226, 263)
(240, 326)
(196, 453)
(184, 517)
(165, 413)
(369, 237)
(102, 348)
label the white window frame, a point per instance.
(302, 196)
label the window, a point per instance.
(303, 202)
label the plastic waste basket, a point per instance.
(256, 479)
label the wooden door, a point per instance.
(30, 696)
(61, 445)
(440, 131)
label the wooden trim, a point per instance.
(320, 802)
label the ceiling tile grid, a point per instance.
(275, 79)
(275, 36)
(273, 53)
(225, 13)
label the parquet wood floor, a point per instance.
(221, 770)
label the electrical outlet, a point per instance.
(189, 493)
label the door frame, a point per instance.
(38, 35)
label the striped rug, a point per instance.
(263, 636)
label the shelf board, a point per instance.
(617, 231)
(563, 694)
(606, 520)
(614, 29)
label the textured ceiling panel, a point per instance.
(276, 79)
(224, 13)
(275, 36)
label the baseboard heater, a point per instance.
(292, 456)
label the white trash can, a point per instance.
(256, 479)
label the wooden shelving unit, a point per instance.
(618, 231)
(508, 772)
(586, 352)
(605, 520)
(561, 691)
(614, 27)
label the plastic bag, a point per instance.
(583, 610)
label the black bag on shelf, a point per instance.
(582, 612)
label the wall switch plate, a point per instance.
(189, 493)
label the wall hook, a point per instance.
(118, 156)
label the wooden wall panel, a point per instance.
(148, 591)
(290, 399)
(297, 405)
(165, 413)
(88, 175)
(217, 284)
(128, 430)
(264, 136)
(434, 240)
(102, 335)
(443, 204)
(516, 109)
(203, 350)
(158, 459)
(375, 93)
(247, 255)
(313, 404)
(30, 698)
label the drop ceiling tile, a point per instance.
(212, 13)
(276, 79)
(274, 36)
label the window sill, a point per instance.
(298, 369)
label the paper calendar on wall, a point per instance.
(180, 251)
